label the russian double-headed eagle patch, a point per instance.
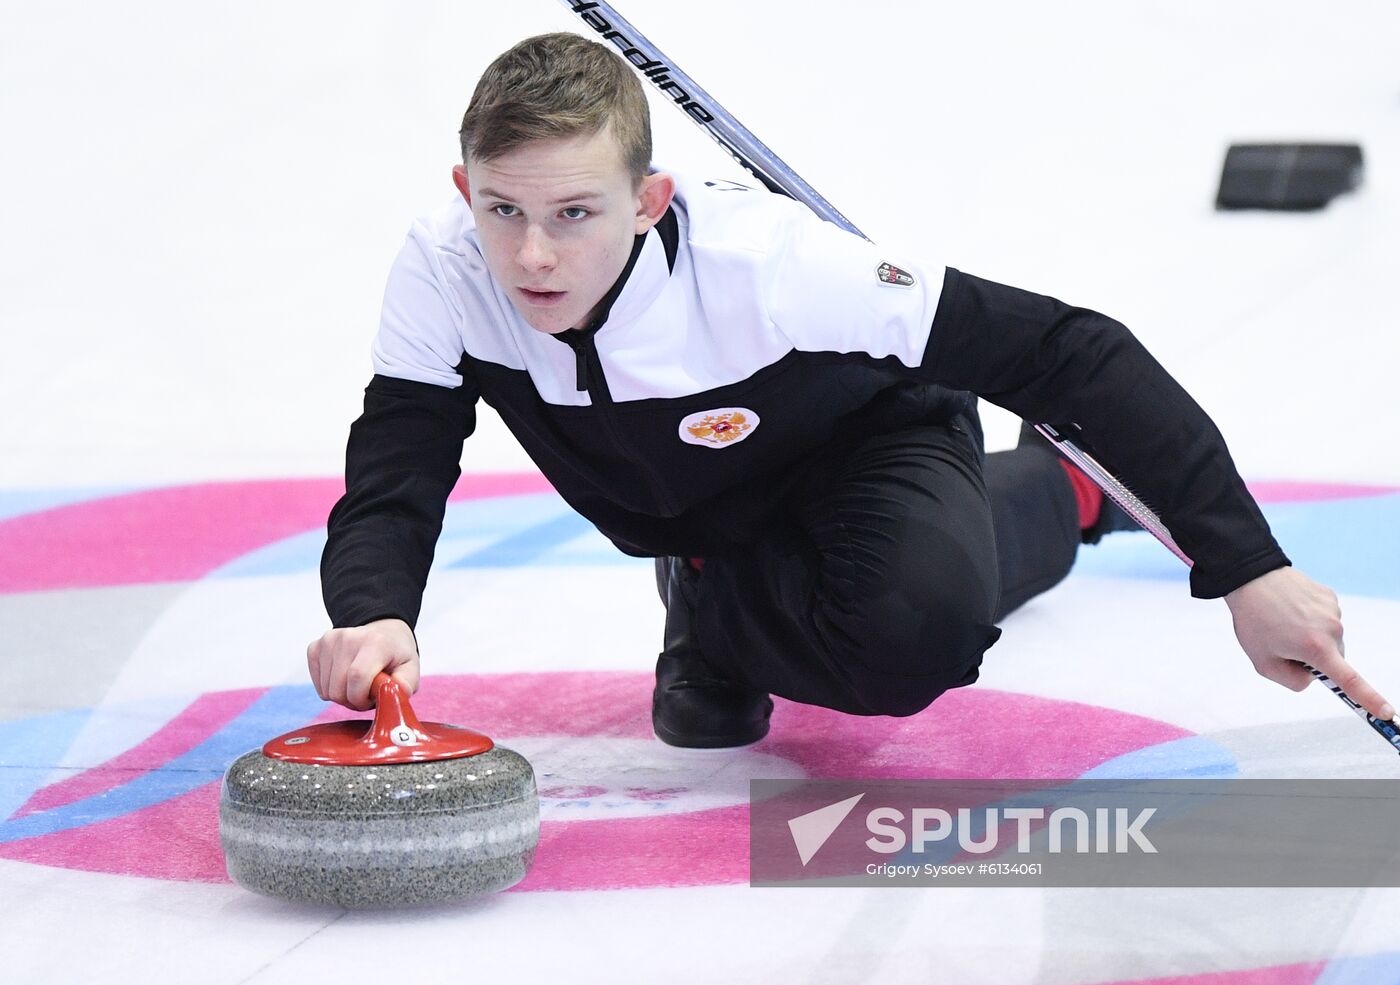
(718, 428)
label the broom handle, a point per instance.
(704, 110)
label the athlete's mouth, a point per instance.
(535, 296)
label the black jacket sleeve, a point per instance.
(1086, 374)
(402, 460)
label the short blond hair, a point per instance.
(557, 85)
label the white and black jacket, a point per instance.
(742, 336)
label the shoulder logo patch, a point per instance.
(888, 273)
(718, 428)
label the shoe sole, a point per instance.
(690, 741)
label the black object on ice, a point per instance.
(1290, 177)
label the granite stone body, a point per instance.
(367, 837)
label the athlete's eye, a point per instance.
(504, 211)
(574, 212)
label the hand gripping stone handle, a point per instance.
(395, 736)
(775, 175)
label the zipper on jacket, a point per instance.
(580, 368)
(589, 367)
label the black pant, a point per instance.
(879, 584)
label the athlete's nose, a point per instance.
(536, 251)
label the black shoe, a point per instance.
(693, 706)
(1111, 515)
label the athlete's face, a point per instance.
(556, 219)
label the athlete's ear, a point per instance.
(653, 198)
(459, 178)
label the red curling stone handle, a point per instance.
(395, 736)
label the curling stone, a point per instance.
(394, 812)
